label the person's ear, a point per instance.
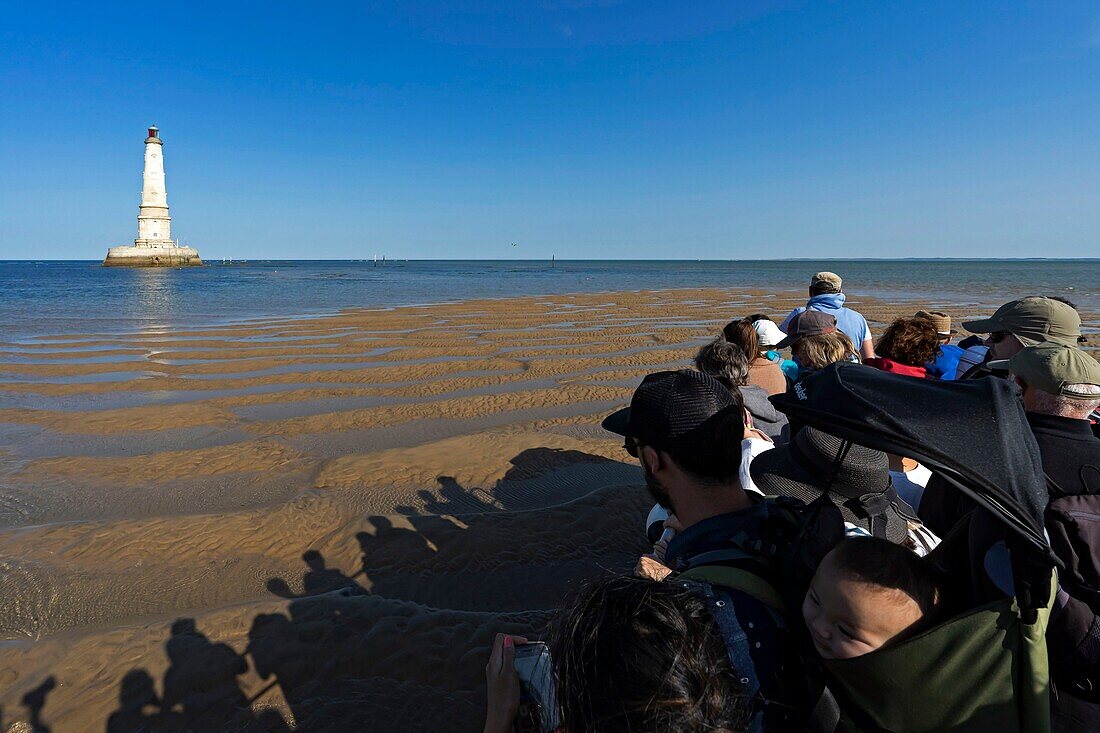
(651, 458)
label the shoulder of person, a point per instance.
(765, 654)
(792, 314)
(862, 321)
(745, 605)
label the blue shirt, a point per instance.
(850, 322)
(788, 367)
(945, 363)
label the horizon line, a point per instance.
(221, 260)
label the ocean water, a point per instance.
(45, 299)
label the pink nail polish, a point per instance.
(507, 641)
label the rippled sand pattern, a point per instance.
(318, 524)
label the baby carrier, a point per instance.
(985, 667)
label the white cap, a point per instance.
(768, 333)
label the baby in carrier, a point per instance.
(868, 593)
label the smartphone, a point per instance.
(536, 678)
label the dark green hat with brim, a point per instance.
(1034, 321)
(1055, 369)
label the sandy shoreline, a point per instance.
(443, 462)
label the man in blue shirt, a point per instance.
(825, 296)
(685, 428)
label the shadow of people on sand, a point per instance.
(202, 677)
(200, 691)
(318, 579)
(400, 642)
(390, 552)
(35, 700)
(139, 708)
(452, 498)
(536, 477)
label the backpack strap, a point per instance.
(729, 556)
(738, 579)
(710, 581)
(824, 715)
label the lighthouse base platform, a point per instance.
(167, 255)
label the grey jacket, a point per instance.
(766, 418)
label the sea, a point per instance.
(41, 300)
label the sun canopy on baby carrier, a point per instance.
(985, 668)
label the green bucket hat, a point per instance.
(1052, 368)
(1034, 321)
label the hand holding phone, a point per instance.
(536, 678)
(503, 685)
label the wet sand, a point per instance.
(318, 524)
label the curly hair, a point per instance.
(727, 362)
(631, 654)
(911, 341)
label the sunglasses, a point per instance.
(997, 337)
(632, 448)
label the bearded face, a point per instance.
(656, 490)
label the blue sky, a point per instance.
(713, 130)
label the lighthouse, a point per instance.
(154, 246)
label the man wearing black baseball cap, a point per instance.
(686, 428)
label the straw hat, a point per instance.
(941, 321)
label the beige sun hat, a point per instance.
(941, 321)
(829, 278)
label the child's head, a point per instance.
(867, 593)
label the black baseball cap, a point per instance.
(682, 412)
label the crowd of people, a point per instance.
(742, 619)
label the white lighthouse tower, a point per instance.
(154, 246)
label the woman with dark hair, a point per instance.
(728, 363)
(634, 655)
(906, 347)
(763, 371)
